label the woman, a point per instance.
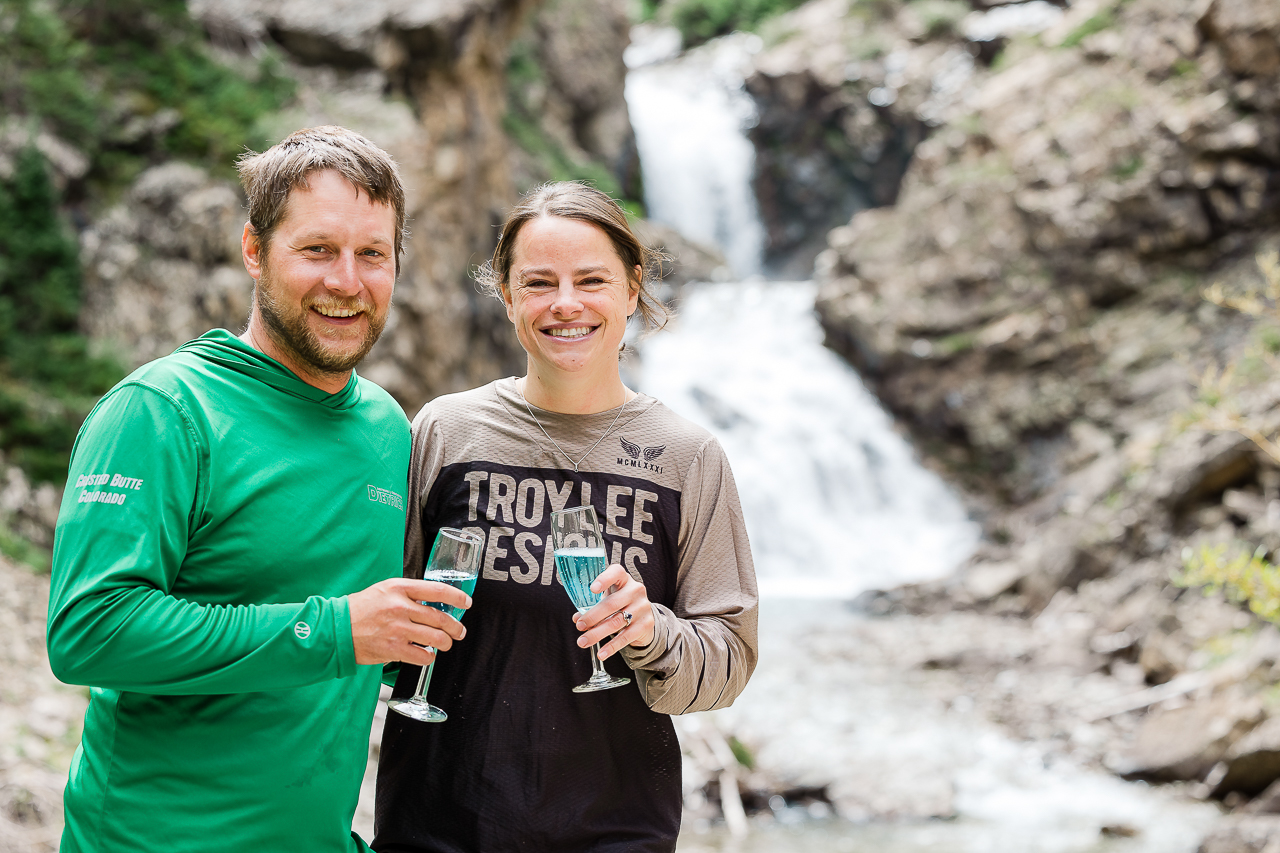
(523, 763)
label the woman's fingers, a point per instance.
(625, 614)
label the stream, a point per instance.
(836, 503)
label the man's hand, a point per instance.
(388, 623)
(625, 613)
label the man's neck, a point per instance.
(257, 337)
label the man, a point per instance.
(232, 517)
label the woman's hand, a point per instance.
(628, 596)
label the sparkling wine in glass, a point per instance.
(579, 553)
(454, 560)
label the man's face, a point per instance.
(324, 282)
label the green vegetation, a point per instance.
(940, 17)
(1104, 20)
(702, 20)
(956, 343)
(742, 753)
(1243, 576)
(1128, 167)
(130, 81)
(48, 379)
(552, 162)
(127, 83)
(21, 551)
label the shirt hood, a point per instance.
(223, 348)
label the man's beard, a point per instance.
(290, 331)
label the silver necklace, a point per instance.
(582, 458)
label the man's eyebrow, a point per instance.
(325, 236)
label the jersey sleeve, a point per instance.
(135, 490)
(705, 647)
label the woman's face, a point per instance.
(569, 295)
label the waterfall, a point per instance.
(697, 162)
(834, 499)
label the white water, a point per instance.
(834, 500)
(835, 503)
(689, 116)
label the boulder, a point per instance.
(1244, 834)
(1185, 743)
(1268, 802)
(1253, 762)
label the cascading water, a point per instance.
(835, 504)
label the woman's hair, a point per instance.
(585, 203)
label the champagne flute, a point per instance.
(579, 553)
(454, 560)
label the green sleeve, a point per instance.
(118, 549)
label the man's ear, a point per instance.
(251, 251)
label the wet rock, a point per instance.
(1268, 802)
(579, 45)
(1243, 834)
(986, 581)
(687, 261)
(1185, 743)
(1249, 32)
(1253, 762)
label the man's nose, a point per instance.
(344, 277)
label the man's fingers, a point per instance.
(418, 655)
(440, 593)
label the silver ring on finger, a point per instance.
(626, 617)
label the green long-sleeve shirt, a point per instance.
(218, 511)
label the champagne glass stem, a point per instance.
(424, 679)
(597, 665)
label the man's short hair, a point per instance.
(270, 177)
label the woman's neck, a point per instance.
(576, 395)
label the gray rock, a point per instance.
(1253, 762)
(1244, 834)
(1185, 743)
(1268, 802)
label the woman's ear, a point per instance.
(633, 295)
(504, 290)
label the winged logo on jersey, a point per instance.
(634, 450)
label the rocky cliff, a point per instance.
(1030, 302)
(429, 83)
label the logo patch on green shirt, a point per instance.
(385, 496)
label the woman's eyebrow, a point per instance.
(547, 272)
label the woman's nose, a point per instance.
(567, 301)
